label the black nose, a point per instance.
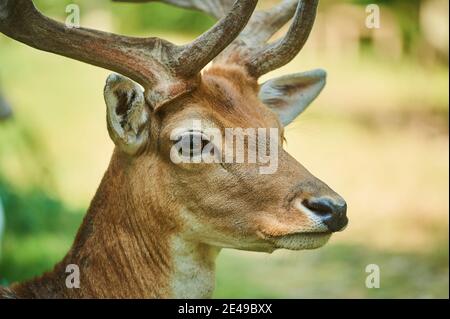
(333, 211)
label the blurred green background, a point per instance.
(378, 134)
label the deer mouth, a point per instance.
(301, 240)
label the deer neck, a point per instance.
(127, 248)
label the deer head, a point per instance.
(164, 88)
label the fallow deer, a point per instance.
(154, 228)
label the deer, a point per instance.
(154, 227)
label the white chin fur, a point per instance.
(302, 241)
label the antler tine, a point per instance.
(206, 47)
(284, 50)
(264, 24)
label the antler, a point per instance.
(284, 50)
(258, 56)
(166, 68)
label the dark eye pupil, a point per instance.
(193, 144)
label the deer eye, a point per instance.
(192, 144)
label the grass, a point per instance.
(335, 271)
(378, 135)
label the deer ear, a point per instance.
(290, 95)
(127, 115)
